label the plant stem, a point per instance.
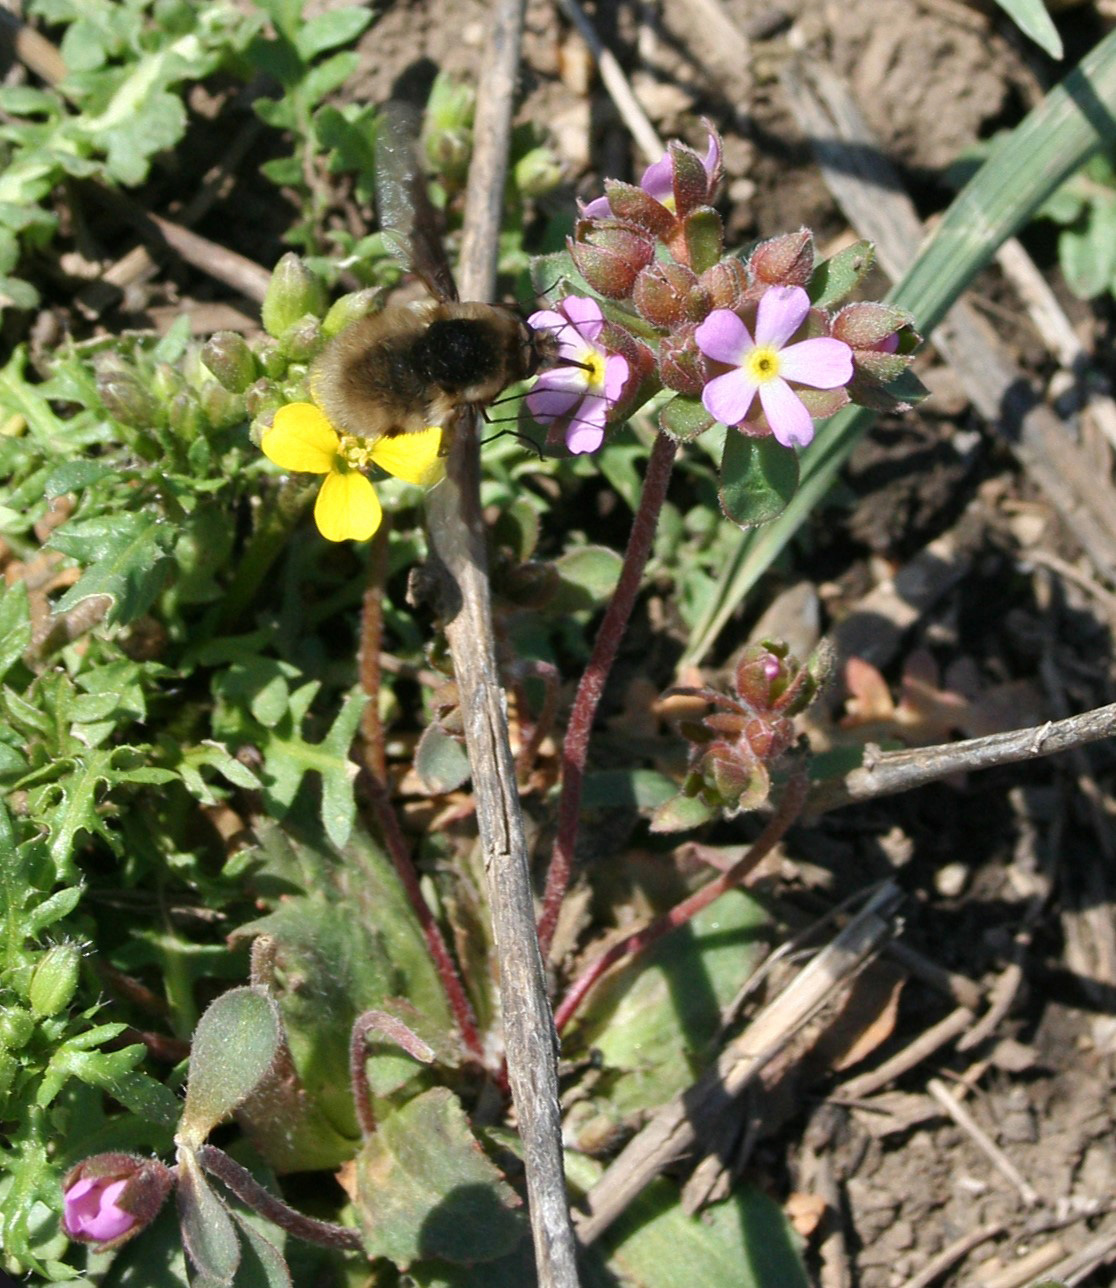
(375, 781)
(575, 748)
(246, 1188)
(680, 914)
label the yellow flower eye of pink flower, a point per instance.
(347, 509)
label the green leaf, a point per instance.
(271, 1270)
(587, 577)
(653, 1021)
(681, 813)
(207, 1231)
(1033, 20)
(233, 1048)
(758, 479)
(126, 559)
(836, 277)
(15, 625)
(745, 1242)
(685, 418)
(347, 941)
(1087, 249)
(441, 761)
(76, 475)
(426, 1189)
(330, 29)
(640, 789)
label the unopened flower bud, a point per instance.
(292, 292)
(538, 172)
(302, 341)
(231, 361)
(875, 327)
(725, 284)
(16, 1027)
(662, 293)
(129, 401)
(262, 399)
(111, 1197)
(692, 184)
(784, 261)
(55, 979)
(185, 416)
(222, 409)
(633, 205)
(609, 255)
(447, 136)
(166, 381)
(681, 365)
(349, 309)
(272, 359)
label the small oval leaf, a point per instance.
(208, 1233)
(835, 277)
(758, 478)
(441, 761)
(234, 1046)
(684, 419)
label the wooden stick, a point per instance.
(458, 539)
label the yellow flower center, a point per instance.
(763, 364)
(353, 453)
(594, 363)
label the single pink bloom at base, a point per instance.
(90, 1211)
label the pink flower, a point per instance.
(91, 1212)
(658, 180)
(766, 364)
(575, 396)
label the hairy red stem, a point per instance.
(681, 913)
(376, 782)
(576, 746)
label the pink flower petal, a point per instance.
(658, 178)
(585, 314)
(823, 363)
(582, 438)
(567, 379)
(789, 420)
(712, 158)
(615, 377)
(723, 337)
(782, 310)
(598, 208)
(547, 320)
(729, 397)
(91, 1211)
(549, 404)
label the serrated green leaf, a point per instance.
(126, 557)
(426, 1189)
(758, 478)
(233, 1048)
(15, 625)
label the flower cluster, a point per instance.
(733, 748)
(750, 343)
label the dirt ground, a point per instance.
(1009, 875)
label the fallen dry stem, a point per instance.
(886, 773)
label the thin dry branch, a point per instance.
(458, 539)
(885, 773)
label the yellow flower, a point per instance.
(347, 508)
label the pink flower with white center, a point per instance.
(766, 364)
(91, 1212)
(575, 396)
(658, 180)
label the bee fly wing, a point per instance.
(407, 218)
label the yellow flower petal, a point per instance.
(413, 458)
(301, 438)
(347, 508)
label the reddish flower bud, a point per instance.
(784, 261)
(690, 180)
(635, 206)
(111, 1197)
(662, 293)
(610, 255)
(875, 327)
(681, 365)
(725, 284)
